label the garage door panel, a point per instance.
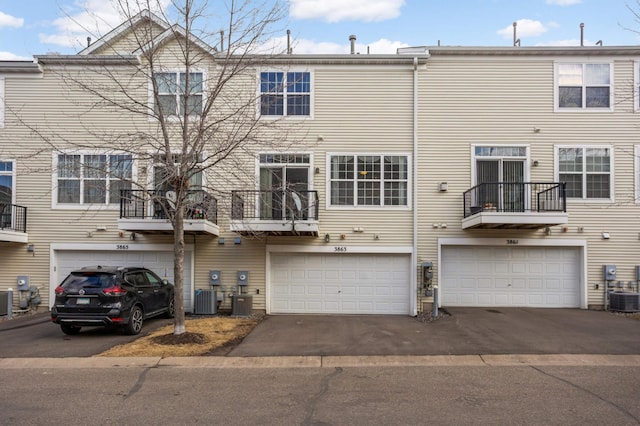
(510, 276)
(345, 283)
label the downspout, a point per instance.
(414, 256)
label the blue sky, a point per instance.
(29, 27)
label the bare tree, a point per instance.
(183, 105)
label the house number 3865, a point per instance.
(512, 242)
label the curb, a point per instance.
(569, 360)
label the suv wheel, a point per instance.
(171, 310)
(135, 321)
(70, 329)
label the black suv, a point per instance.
(111, 296)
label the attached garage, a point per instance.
(340, 283)
(159, 261)
(518, 276)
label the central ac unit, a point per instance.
(206, 302)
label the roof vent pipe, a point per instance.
(516, 41)
(581, 34)
(88, 41)
(352, 39)
(289, 51)
(222, 40)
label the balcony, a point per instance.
(13, 223)
(275, 212)
(147, 212)
(515, 205)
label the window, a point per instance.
(92, 178)
(583, 86)
(369, 180)
(7, 180)
(285, 94)
(172, 90)
(586, 171)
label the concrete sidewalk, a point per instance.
(323, 361)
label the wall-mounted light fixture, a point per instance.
(327, 238)
(443, 186)
(536, 129)
(221, 241)
(132, 237)
(547, 230)
(31, 248)
(605, 236)
(535, 163)
(237, 240)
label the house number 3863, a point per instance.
(339, 249)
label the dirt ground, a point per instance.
(205, 336)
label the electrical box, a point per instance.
(243, 278)
(214, 277)
(23, 282)
(609, 272)
(427, 271)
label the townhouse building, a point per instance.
(482, 176)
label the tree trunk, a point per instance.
(179, 326)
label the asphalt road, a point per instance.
(478, 395)
(38, 337)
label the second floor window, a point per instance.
(92, 178)
(369, 180)
(285, 94)
(583, 86)
(172, 90)
(586, 171)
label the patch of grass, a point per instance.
(204, 336)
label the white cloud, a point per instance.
(563, 2)
(340, 10)
(310, 47)
(88, 18)
(8, 56)
(10, 21)
(524, 28)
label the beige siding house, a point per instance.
(470, 176)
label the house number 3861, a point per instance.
(512, 242)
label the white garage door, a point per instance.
(510, 276)
(160, 262)
(340, 283)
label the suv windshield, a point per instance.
(97, 280)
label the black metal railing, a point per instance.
(276, 205)
(159, 204)
(13, 218)
(516, 197)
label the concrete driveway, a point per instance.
(466, 331)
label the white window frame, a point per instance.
(583, 108)
(177, 71)
(13, 175)
(526, 159)
(356, 206)
(556, 159)
(85, 206)
(284, 115)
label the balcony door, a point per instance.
(283, 192)
(505, 189)
(6, 194)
